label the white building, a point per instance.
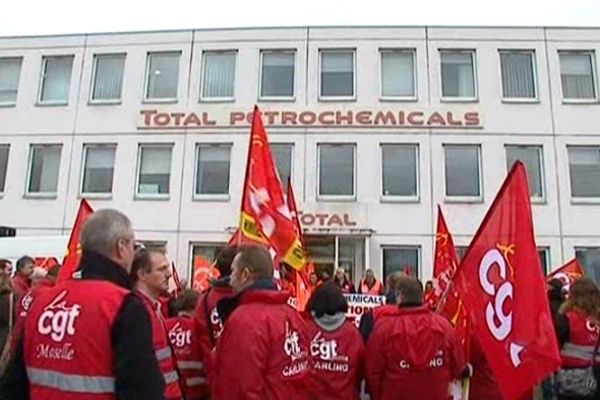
(376, 126)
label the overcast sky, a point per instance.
(38, 17)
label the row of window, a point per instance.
(337, 76)
(336, 169)
(408, 257)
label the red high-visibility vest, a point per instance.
(62, 360)
(583, 335)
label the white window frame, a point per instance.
(13, 103)
(334, 198)
(87, 146)
(152, 196)
(533, 53)
(475, 98)
(147, 78)
(415, 96)
(260, 75)
(540, 148)
(592, 55)
(41, 102)
(575, 199)
(546, 250)
(91, 99)
(395, 198)
(211, 197)
(3, 189)
(43, 195)
(419, 248)
(235, 75)
(464, 199)
(354, 71)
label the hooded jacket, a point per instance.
(412, 354)
(337, 354)
(263, 350)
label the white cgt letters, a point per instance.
(499, 324)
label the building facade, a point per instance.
(375, 127)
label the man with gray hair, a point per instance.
(89, 338)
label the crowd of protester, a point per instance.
(117, 332)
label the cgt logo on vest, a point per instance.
(292, 348)
(58, 319)
(498, 314)
(180, 337)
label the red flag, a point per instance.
(176, 279)
(445, 262)
(73, 254)
(203, 271)
(504, 292)
(302, 288)
(265, 217)
(568, 273)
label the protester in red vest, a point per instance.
(21, 281)
(341, 279)
(206, 318)
(577, 328)
(369, 318)
(150, 272)
(337, 350)
(370, 285)
(89, 338)
(414, 353)
(184, 340)
(429, 295)
(262, 353)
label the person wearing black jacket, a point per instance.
(107, 241)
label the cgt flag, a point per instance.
(504, 292)
(445, 262)
(567, 274)
(73, 254)
(265, 217)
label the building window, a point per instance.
(518, 74)
(98, 168)
(400, 170)
(577, 75)
(277, 77)
(204, 255)
(212, 173)
(460, 252)
(458, 74)
(4, 150)
(218, 77)
(283, 156)
(56, 79)
(531, 156)
(584, 171)
(108, 77)
(589, 257)
(44, 165)
(10, 72)
(337, 73)
(398, 74)
(463, 175)
(154, 171)
(336, 169)
(162, 75)
(544, 254)
(401, 258)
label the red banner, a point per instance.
(265, 216)
(568, 273)
(445, 261)
(73, 255)
(504, 291)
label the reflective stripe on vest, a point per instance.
(70, 382)
(190, 365)
(195, 381)
(171, 377)
(163, 354)
(577, 351)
